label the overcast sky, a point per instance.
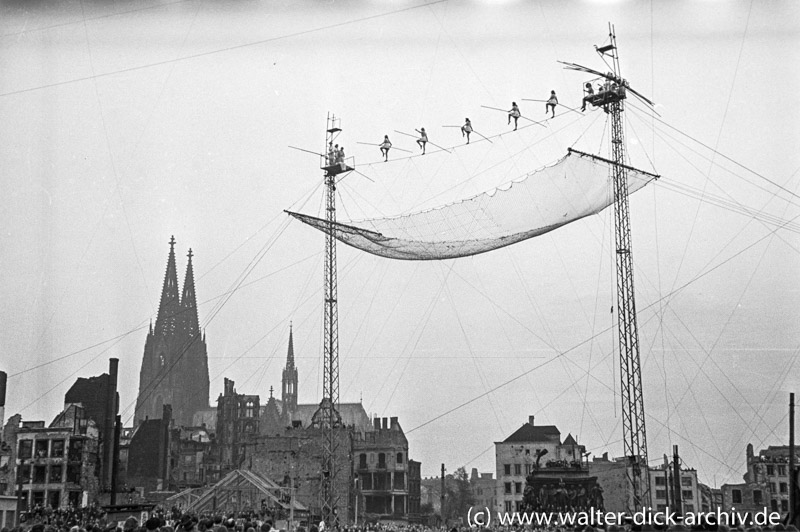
(126, 122)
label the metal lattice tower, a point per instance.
(611, 98)
(633, 420)
(327, 417)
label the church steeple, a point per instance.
(169, 306)
(190, 323)
(289, 380)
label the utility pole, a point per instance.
(115, 459)
(676, 482)
(329, 419)
(291, 503)
(441, 498)
(612, 99)
(792, 477)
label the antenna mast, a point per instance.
(611, 98)
(327, 417)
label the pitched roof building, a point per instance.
(535, 454)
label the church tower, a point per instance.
(289, 381)
(175, 363)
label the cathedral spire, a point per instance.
(290, 354)
(189, 321)
(168, 307)
(289, 380)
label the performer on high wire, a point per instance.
(466, 129)
(422, 140)
(385, 146)
(551, 104)
(514, 113)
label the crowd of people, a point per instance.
(94, 519)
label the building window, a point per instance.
(507, 469)
(39, 474)
(773, 488)
(661, 481)
(399, 458)
(688, 507)
(399, 481)
(74, 473)
(38, 498)
(382, 460)
(686, 481)
(24, 475)
(784, 505)
(661, 507)
(687, 494)
(250, 410)
(661, 494)
(784, 487)
(41, 448)
(528, 468)
(75, 450)
(57, 449)
(508, 506)
(55, 474)
(362, 461)
(736, 495)
(53, 498)
(508, 488)
(518, 487)
(770, 470)
(757, 497)
(25, 449)
(774, 505)
(781, 470)
(517, 469)
(75, 498)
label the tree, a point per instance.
(459, 495)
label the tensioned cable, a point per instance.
(662, 134)
(90, 19)
(222, 50)
(574, 347)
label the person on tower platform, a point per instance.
(423, 139)
(514, 113)
(385, 146)
(466, 129)
(340, 158)
(589, 94)
(550, 106)
(331, 154)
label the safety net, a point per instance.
(574, 187)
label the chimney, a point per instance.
(3, 378)
(376, 422)
(386, 423)
(394, 425)
(530, 420)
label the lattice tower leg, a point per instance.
(633, 420)
(330, 384)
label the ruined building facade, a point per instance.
(175, 363)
